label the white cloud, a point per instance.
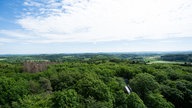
(106, 20)
(32, 3)
(18, 34)
(5, 40)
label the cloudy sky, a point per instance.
(77, 26)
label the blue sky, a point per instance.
(77, 26)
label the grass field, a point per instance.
(160, 61)
(2, 59)
(39, 60)
(156, 59)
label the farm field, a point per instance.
(169, 62)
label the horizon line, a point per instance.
(102, 52)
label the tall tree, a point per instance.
(143, 84)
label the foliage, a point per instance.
(33, 101)
(88, 86)
(157, 101)
(65, 99)
(133, 101)
(94, 81)
(11, 89)
(143, 84)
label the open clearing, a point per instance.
(2, 59)
(169, 62)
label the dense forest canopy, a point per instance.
(95, 81)
(178, 57)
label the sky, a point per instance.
(85, 26)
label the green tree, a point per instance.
(173, 95)
(144, 84)
(45, 84)
(90, 102)
(90, 86)
(11, 90)
(120, 99)
(34, 87)
(186, 88)
(34, 101)
(66, 99)
(157, 101)
(134, 101)
(65, 80)
(178, 92)
(160, 76)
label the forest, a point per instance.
(95, 81)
